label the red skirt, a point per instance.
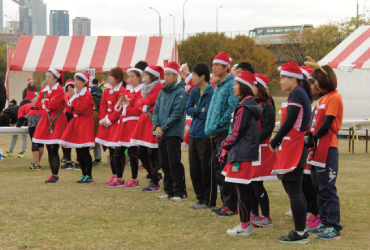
(122, 132)
(143, 133)
(185, 143)
(103, 135)
(262, 169)
(79, 133)
(243, 176)
(43, 134)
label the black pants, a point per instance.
(310, 194)
(35, 146)
(260, 198)
(67, 154)
(228, 193)
(111, 161)
(245, 194)
(120, 161)
(174, 172)
(85, 159)
(324, 180)
(202, 174)
(149, 158)
(53, 157)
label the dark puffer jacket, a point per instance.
(243, 142)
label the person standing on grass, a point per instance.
(288, 144)
(53, 122)
(324, 158)
(217, 128)
(79, 133)
(169, 124)
(240, 149)
(202, 174)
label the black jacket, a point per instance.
(12, 111)
(267, 120)
(243, 143)
(2, 95)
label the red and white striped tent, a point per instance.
(351, 63)
(75, 53)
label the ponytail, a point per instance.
(306, 86)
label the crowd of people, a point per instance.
(230, 143)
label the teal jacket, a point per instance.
(221, 107)
(169, 110)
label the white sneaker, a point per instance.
(176, 198)
(165, 197)
(239, 231)
(289, 213)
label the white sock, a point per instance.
(301, 234)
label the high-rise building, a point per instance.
(81, 26)
(32, 17)
(59, 23)
(1, 15)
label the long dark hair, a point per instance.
(59, 80)
(263, 95)
(306, 86)
(244, 90)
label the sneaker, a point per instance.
(52, 179)
(196, 206)
(117, 183)
(88, 179)
(263, 222)
(132, 184)
(227, 212)
(216, 210)
(32, 165)
(239, 231)
(77, 166)
(318, 230)
(165, 197)
(63, 160)
(160, 178)
(178, 198)
(111, 179)
(315, 223)
(329, 233)
(8, 155)
(81, 179)
(67, 166)
(254, 218)
(289, 213)
(294, 237)
(21, 155)
(310, 217)
(36, 167)
(96, 164)
(152, 188)
(141, 167)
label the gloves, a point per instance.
(315, 141)
(222, 155)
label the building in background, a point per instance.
(32, 17)
(81, 26)
(59, 23)
(11, 27)
(1, 15)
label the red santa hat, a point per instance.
(101, 82)
(307, 71)
(29, 80)
(69, 82)
(135, 69)
(291, 69)
(247, 78)
(85, 76)
(58, 73)
(155, 70)
(222, 58)
(264, 80)
(173, 67)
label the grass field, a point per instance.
(67, 215)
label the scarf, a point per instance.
(147, 88)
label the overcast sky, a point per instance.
(124, 17)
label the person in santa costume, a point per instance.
(114, 90)
(30, 93)
(52, 123)
(127, 107)
(143, 135)
(289, 146)
(240, 150)
(328, 116)
(79, 133)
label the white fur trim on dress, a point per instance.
(317, 164)
(283, 171)
(48, 142)
(102, 142)
(66, 144)
(117, 107)
(124, 108)
(101, 122)
(145, 108)
(107, 120)
(130, 118)
(47, 88)
(134, 142)
(75, 96)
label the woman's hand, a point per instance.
(106, 124)
(274, 150)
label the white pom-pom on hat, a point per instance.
(279, 68)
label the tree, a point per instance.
(3, 57)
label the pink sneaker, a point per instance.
(254, 218)
(111, 179)
(310, 217)
(315, 223)
(116, 183)
(132, 184)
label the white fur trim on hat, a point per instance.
(135, 69)
(287, 73)
(171, 69)
(243, 81)
(152, 71)
(220, 61)
(55, 73)
(82, 76)
(305, 72)
(262, 82)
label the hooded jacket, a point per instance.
(243, 142)
(169, 110)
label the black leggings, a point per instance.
(120, 161)
(35, 146)
(85, 159)
(310, 194)
(245, 194)
(54, 160)
(149, 158)
(297, 203)
(67, 154)
(261, 198)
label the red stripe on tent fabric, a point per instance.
(154, 48)
(74, 53)
(362, 59)
(100, 53)
(21, 52)
(350, 48)
(47, 53)
(127, 52)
